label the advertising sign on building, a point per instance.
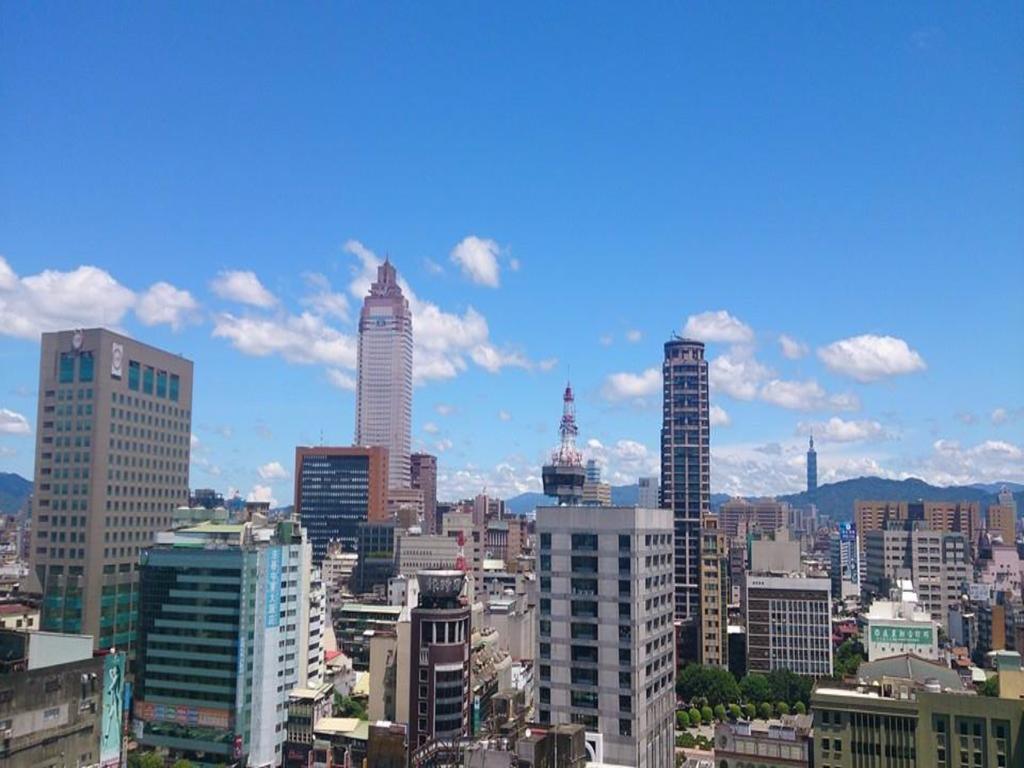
(902, 635)
(113, 710)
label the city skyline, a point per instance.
(801, 245)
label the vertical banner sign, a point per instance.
(273, 613)
(112, 715)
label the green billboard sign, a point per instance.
(902, 635)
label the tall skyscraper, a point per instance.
(647, 493)
(111, 465)
(423, 474)
(336, 489)
(605, 648)
(812, 467)
(686, 462)
(384, 386)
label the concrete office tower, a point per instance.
(1002, 517)
(789, 624)
(764, 515)
(936, 562)
(336, 489)
(714, 596)
(439, 689)
(844, 557)
(384, 386)
(112, 452)
(605, 647)
(593, 472)
(224, 636)
(812, 467)
(648, 493)
(423, 469)
(952, 516)
(686, 462)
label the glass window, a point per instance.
(175, 383)
(161, 383)
(147, 379)
(85, 366)
(67, 368)
(545, 541)
(134, 369)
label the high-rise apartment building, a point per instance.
(748, 515)
(844, 557)
(111, 465)
(937, 562)
(714, 596)
(648, 493)
(789, 624)
(224, 636)
(951, 516)
(336, 489)
(423, 476)
(686, 462)
(812, 467)
(1002, 520)
(605, 652)
(384, 383)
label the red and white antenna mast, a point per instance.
(568, 430)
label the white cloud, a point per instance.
(444, 409)
(634, 335)
(243, 287)
(478, 258)
(324, 301)
(1000, 416)
(837, 430)
(795, 395)
(303, 338)
(262, 493)
(195, 443)
(513, 264)
(493, 360)
(717, 326)
(443, 445)
(13, 423)
(718, 416)
(966, 417)
(605, 340)
(737, 373)
(547, 364)
(632, 386)
(987, 462)
(165, 304)
(431, 428)
(272, 470)
(433, 267)
(792, 348)
(504, 415)
(53, 300)
(868, 357)
(341, 380)
(623, 461)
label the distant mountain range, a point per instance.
(833, 499)
(14, 493)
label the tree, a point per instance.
(750, 710)
(682, 720)
(182, 763)
(735, 713)
(786, 685)
(849, 655)
(694, 716)
(765, 710)
(755, 688)
(139, 759)
(990, 687)
(345, 706)
(800, 708)
(712, 684)
(781, 708)
(720, 712)
(707, 714)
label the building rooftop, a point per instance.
(352, 727)
(911, 667)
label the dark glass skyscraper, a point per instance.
(685, 462)
(336, 489)
(812, 467)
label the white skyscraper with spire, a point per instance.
(384, 387)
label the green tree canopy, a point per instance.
(715, 685)
(781, 708)
(750, 710)
(990, 687)
(755, 688)
(682, 720)
(849, 655)
(800, 708)
(765, 710)
(735, 712)
(345, 706)
(786, 685)
(720, 712)
(694, 716)
(138, 759)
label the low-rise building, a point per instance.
(782, 743)
(18, 616)
(353, 623)
(899, 625)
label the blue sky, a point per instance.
(561, 188)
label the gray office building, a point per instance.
(112, 455)
(686, 462)
(605, 643)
